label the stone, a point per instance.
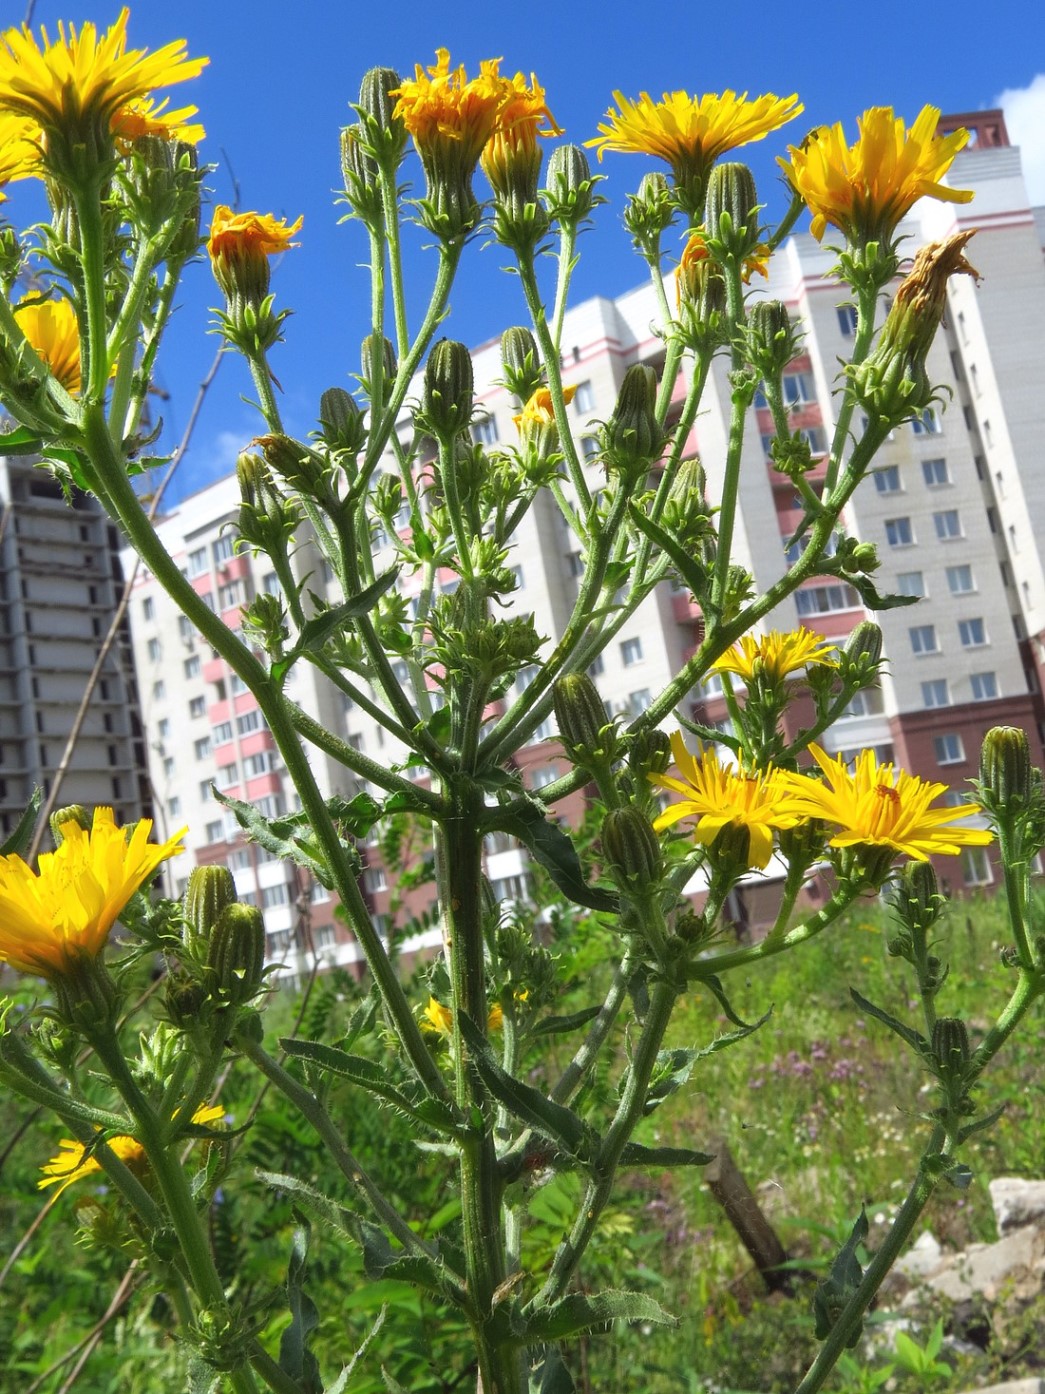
(1011, 1270)
(923, 1258)
(1017, 1202)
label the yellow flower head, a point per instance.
(878, 806)
(512, 156)
(74, 86)
(439, 1018)
(51, 918)
(440, 106)
(19, 149)
(240, 245)
(147, 117)
(719, 797)
(52, 329)
(690, 133)
(775, 655)
(72, 1162)
(866, 188)
(539, 411)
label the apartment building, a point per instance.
(60, 581)
(956, 506)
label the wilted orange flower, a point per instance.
(866, 188)
(240, 245)
(512, 150)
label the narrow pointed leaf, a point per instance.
(579, 1312)
(906, 1033)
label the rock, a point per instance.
(1010, 1270)
(1013, 1386)
(923, 1258)
(1017, 1202)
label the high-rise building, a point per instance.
(60, 582)
(955, 505)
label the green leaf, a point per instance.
(635, 1155)
(978, 1125)
(70, 462)
(357, 815)
(18, 843)
(578, 1312)
(391, 1383)
(551, 1376)
(316, 631)
(714, 986)
(868, 593)
(202, 1376)
(906, 1033)
(295, 1358)
(20, 441)
(554, 850)
(341, 1383)
(694, 575)
(526, 1103)
(369, 1075)
(834, 1291)
(559, 1025)
(276, 836)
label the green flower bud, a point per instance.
(360, 173)
(863, 648)
(632, 438)
(803, 844)
(266, 518)
(236, 953)
(916, 897)
(950, 1045)
(773, 338)
(571, 184)
(209, 891)
(649, 752)
(1005, 769)
(651, 211)
(72, 813)
(385, 131)
(341, 421)
(521, 364)
(631, 846)
(731, 209)
(249, 1029)
(731, 849)
(388, 362)
(447, 400)
(580, 715)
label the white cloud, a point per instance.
(1024, 109)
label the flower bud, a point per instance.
(570, 185)
(633, 438)
(863, 648)
(295, 464)
(1005, 768)
(209, 891)
(631, 846)
(649, 752)
(649, 212)
(360, 173)
(447, 401)
(731, 849)
(773, 338)
(341, 421)
(731, 209)
(916, 896)
(950, 1045)
(388, 362)
(73, 813)
(385, 131)
(580, 715)
(236, 953)
(521, 363)
(266, 519)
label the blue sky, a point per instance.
(282, 75)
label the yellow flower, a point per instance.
(878, 806)
(696, 266)
(512, 156)
(75, 86)
(776, 655)
(539, 411)
(147, 117)
(440, 106)
(19, 149)
(718, 797)
(441, 1019)
(72, 1162)
(52, 329)
(865, 189)
(240, 245)
(690, 133)
(50, 919)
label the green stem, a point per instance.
(1029, 987)
(731, 475)
(1014, 875)
(567, 247)
(390, 207)
(359, 764)
(867, 301)
(92, 265)
(259, 371)
(714, 964)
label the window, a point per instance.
(159, 690)
(274, 895)
(258, 764)
(589, 447)
(484, 430)
(928, 424)
(204, 789)
(984, 686)
(148, 608)
(202, 748)
(825, 600)
(768, 437)
(595, 668)
(949, 749)
(584, 398)
(638, 702)
(238, 686)
(229, 595)
(847, 318)
(935, 693)
(214, 832)
(960, 580)
(325, 936)
(271, 806)
(163, 728)
(972, 633)
(923, 638)
(168, 764)
(223, 733)
(976, 867)
(798, 389)
(934, 472)
(227, 776)
(911, 583)
(270, 584)
(197, 562)
(192, 666)
(947, 524)
(547, 774)
(898, 532)
(631, 652)
(374, 878)
(185, 630)
(575, 563)
(155, 649)
(249, 721)
(865, 703)
(174, 806)
(816, 438)
(224, 548)
(887, 480)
